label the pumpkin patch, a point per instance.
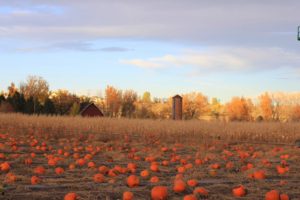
(126, 167)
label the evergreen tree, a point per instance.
(17, 101)
(37, 107)
(29, 106)
(2, 98)
(49, 107)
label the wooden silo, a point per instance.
(177, 108)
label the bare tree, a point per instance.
(35, 87)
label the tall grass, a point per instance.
(163, 130)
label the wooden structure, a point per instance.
(91, 110)
(177, 108)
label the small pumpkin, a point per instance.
(5, 167)
(35, 180)
(127, 195)
(179, 186)
(159, 193)
(201, 191)
(190, 197)
(70, 196)
(272, 195)
(133, 181)
(98, 178)
(192, 182)
(239, 191)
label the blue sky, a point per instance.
(220, 48)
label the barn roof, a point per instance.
(89, 105)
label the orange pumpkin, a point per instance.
(72, 166)
(159, 193)
(10, 178)
(35, 180)
(260, 174)
(133, 181)
(98, 178)
(127, 196)
(179, 186)
(281, 170)
(91, 165)
(5, 167)
(192, 182)
(272, 195)
(70, 196)
(190, 197)
(59, 170)
(181, 169)
(39, 170)
(103, 169)
(284, 197)
(154, 168)
(215, 166)
(201, 191)
(239, 191)
(144, 173)
(80, 162)
(52, 162)
(28, 161)
(154, 179)
(165, 163)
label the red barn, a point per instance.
(91, 110)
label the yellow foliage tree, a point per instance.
(194, 105)
(238, 109)
(265, 104)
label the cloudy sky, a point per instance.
(222, 48)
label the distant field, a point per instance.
(217, 156)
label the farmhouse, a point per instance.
(91, 110)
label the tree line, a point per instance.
(34, 97)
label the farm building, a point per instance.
(91, 110)
(177, 108)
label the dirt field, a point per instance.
(218, 156)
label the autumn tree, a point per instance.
(128, 103)
(35, 87)
(146, 97)
(194, 105)
(63, 101)
(144, 106)
(113, 98)
(12, 89)
(238, 109)
(296, 113)
(215, 108)
(266, 106)
(162, 108)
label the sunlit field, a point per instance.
(103, 158)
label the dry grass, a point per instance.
(169, 131)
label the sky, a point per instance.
(222, 48)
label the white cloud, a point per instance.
(142, 63)
(225, 59)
